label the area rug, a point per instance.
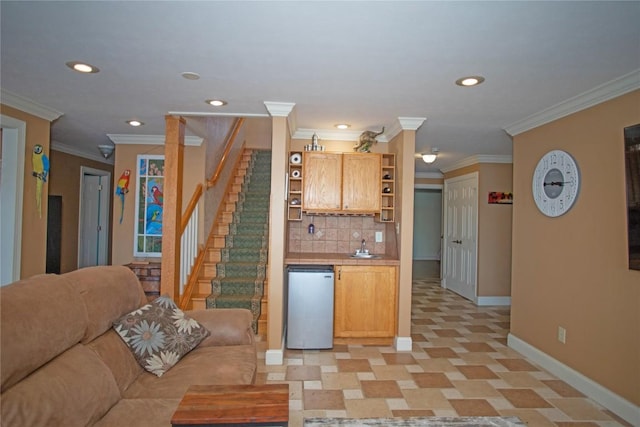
(416, 422)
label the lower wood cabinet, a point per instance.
(366, 300)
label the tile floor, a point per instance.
(460, 366)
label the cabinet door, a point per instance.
(361, 182)
(322, 177)
(365, 301)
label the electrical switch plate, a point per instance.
(378, 236)
(562, 334)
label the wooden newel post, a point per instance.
(172, 208)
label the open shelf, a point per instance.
(294, 192)
(388, 195)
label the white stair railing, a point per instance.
(188, 248)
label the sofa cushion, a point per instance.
(233, 364)
(159, 334)
(74, 389)
(228, 326)
(140, 413)
(40, 318)
(118, 358)
(108, 293)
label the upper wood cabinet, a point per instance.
(335, 182)
(361, 182)
(322, 174)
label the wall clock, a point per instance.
(556, 182)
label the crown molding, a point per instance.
(429, 175)
(393, 131)
(617, 87)
(411, 123)
(28, 106)
(74, 151)
(480, 158)
(127, 139)
(292, 121)
(403, 123)
(279, 109)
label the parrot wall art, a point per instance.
(123, 188)
(40, 163)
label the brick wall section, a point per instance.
(149, 277)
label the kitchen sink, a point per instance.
(364, 255)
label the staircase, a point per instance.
(238, 247)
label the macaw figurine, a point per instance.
(123, 188)
(158, 198)
(40, 163)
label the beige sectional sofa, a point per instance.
(62, 363)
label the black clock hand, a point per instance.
(558, 183)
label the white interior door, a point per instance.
(94, 218)
(11, 191)
(461, 235)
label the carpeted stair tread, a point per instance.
(241, 273)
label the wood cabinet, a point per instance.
(361, 182)
(322, 181)
(341, 183)
(365, 301)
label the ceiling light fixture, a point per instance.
(135, 123)
(430, 158)
(189, 75)
(106, 150)
(216, 102)
(343, 126)
(470, 81)
(82, 67)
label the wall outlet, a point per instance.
(379, 237)
(562, 334)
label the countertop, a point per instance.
(336, 259)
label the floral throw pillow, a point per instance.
(159, 334)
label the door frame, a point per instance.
(12, 193)
(445, 242)
(441, 188)
(104, 210)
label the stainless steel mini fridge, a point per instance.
(310, 307)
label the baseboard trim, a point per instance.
(493, 301)
(403, 343)
(275, 356)
(615, 403)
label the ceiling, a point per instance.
(363, 63)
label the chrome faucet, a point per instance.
(362, 245)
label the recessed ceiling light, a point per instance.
(469, 81)
(216, 102)
(190, 75)
(343, 126)
(135, 123)
(82, 67)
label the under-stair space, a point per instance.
(235, 268)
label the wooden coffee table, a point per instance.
(234, 405)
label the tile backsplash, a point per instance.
(336, 234)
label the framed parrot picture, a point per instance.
(149, 205)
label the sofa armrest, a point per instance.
(228, 326)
